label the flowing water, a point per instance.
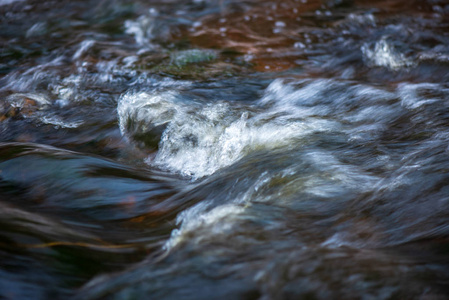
(224, 149)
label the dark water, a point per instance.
(224, 149)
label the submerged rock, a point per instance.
(185, 57)
(23, 105)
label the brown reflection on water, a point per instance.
(275, 36)
(264, 31)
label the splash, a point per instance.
(198, 139)
(384, 54)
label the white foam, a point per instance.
(383, 54)
(215, 147)
(18, 100)
(145, 29)
(83, 48)
(215, 222)
(201, 138)
(366, 19)
(143, 107)
(57, 122)
(287, 94)
(410, 97)
(198, 139)
(347, 176)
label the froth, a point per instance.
(199, 138)
(384, 54)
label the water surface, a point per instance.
(224, 149)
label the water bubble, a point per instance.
(299, 45)
(280, 24)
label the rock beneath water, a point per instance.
(192, 64)
(185, 57)
(22, 105)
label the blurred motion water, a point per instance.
(224, 149)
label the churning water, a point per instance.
(224, 149)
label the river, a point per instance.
(224, 149)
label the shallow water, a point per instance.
(224, 149)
